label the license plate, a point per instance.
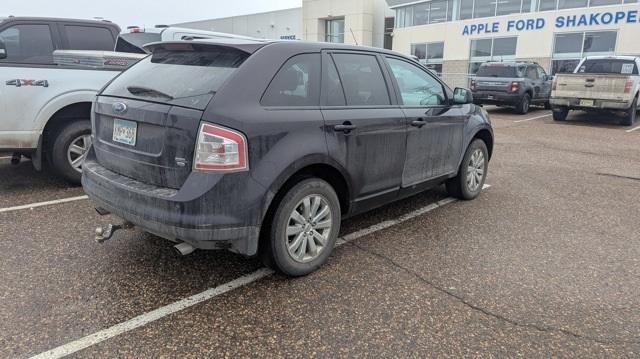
(125, 132)
(588, 103)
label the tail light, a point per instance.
(515, 86)
(628, 86)
(554, 85)
(472, 85)
(220, 149)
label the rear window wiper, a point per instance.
(142, 91)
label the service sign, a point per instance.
(561, 22)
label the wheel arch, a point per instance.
(306, 168)
(487, 137)
(67, 114)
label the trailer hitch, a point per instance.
(105, 233)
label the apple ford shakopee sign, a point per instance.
(561, 22)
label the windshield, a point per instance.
(179, 74)
(134, 42)
(497, 71)
(609, 66)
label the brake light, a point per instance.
(220, 149)
(628, 86)
(515, 86)
(473, 85)
(136, 30)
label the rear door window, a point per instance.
(89, 38)
(28, 43)
(362, 79)
(179, 74)
(297, 83)
(532, 74)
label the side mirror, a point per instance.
(462, 96)
(3, 51)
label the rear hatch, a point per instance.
(496, 77)
(598, 79)
(146, 121)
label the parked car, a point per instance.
(185, 149)
(610, 83)
(50, 71)
(516, 84)
(136, 37)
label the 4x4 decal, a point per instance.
(20, 83)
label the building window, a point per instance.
(569, 48)
(430, 55)
(424, 13)
(496, 49)
(334, 30)
(471, 9)
(546, 5)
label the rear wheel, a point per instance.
(630, 117)
(304, 228)
(560, 114)
(70, 146)
(472, 174)
(523, 107)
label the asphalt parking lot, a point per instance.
(545, 263)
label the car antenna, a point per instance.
(354, 36)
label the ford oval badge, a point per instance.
(119, 107)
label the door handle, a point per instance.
(419, 123)
(345, 127)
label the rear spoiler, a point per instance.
(248, 46)
(106, 60)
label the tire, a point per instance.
(463, 186)
(560, 114)
(70, 144)
(523, 106)
(280, 251)
(630, 117)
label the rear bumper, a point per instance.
(574, 103)
(208, 221)
(496, 98)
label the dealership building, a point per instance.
(453, 37)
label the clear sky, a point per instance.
(142, 12)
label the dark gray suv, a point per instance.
(516, 84)
(263, 147)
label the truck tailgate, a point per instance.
(591, 86)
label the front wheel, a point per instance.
(304, 228)
(472, 174)
(70, 147)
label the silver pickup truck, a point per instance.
(599, 83)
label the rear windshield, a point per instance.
(134, 42)
(609, 66)
(185, 75)
(497, 71)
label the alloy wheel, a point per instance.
(77, 151)
(308, 228)
(475, 170)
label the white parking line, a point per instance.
(533, 118)
(42, 204)
(188, 302)
(633, 129)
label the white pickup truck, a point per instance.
(47, 86)
(599, 83)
